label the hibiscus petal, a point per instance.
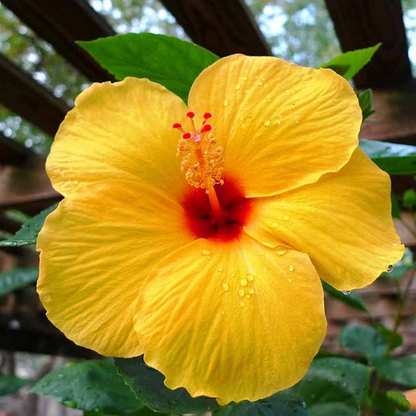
(234, 321)
(282, 125)
(97, 249)
(343, 222)
(119, 131)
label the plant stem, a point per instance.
(397, 321)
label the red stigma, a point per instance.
(190, 114)
(206, 128)
(207, 116)
(177, 125)
(186, 136)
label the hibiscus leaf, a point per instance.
(148, 386)
(334, 386)
(278, 404)
(365, 99)
(395, 159)
(368, 341)
(12, 384)
(352, 299)
(395, 208)
(350, 63)
(16, 279)
(386, 403)
(90, 386)
(398, 370)
(28, 234)
(169, 61)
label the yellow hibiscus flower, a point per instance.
(207, 255)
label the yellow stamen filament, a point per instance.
(202, 164)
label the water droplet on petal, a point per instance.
(250, 277)
(222, 312)
(241, 292)
(205, 252)
(243, 282)
(238, 86)
(242, 303)
(267, 123)
(390, 268)
(291, 267)
(289, 280)
(225, 287)
(219, 269)
(250, 290)
(225, 103)
(281, 250)
(286, 217)
(346, 292)
(275, 225)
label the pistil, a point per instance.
(202, 162)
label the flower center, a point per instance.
(201, 219)
(202, 161)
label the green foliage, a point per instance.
(147, 384)
(368, 341)
(352, 299)
(386, 403)
(16, 279)
(12, 384)
(365, 99)
(166, 60)
(395, 208)
(28, 234)
(90, 386)
(409, 199)
(399, 370)
(278, 404)
(395, 159)
(350, 63)
(334, 386)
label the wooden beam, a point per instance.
(12, 152)
(24, 96)
(223, 27)
(61, 23)
(395, 116)
(364, 23)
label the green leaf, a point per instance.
(16, 279)
(368, 341)
(409, 199)
(386, 403)
(89, 386)
(28, 234)
(352, 299)
(334, 386)
(147, 383)
(349, 64)
(395, 208)
(278, 404)
(399, 370)
(395, 159)
(166, 60)
(365, 99)
(12, 384)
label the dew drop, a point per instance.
(290, 280)
(267, 123)
(250, 290)
(225, 287)
(346, 292)
(205, 253)
(248, 296)
(275, 225)
(219, 269)
(250, 277)
(269, 100)
(281, 250)
(225, 103)
(286, 217)
(390, 268)
(244, 78)
(222, 312)
(76, 182)
(291, 267)
(242, 303)
(243, 282)
(238, 86)
(241, 292)
(243, 126)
